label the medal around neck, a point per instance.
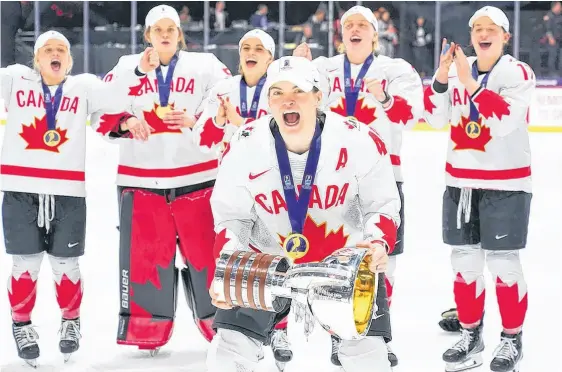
(51, 138)
(340, 291)
(162, 111)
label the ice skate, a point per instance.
(334, 358)
(26, 338)
(154, 352)
(69, 337)
(466, 353)
(281, 348)
(508, 354)
(391, 356)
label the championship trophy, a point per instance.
(339, 291)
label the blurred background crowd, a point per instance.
(102, 31)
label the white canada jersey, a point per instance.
(402, 83)
(352, 200)
(35, 161)
(211, 137)
(170, 158)
(493, 151)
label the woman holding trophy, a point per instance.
(343, 201)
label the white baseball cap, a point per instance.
(49, 35)
(297, 70)
(495, 14)
(160, 12)
(266, 40)
(365, 12)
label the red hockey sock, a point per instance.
(69, 297)
(512, 301)
(22, 293)
(470, 299)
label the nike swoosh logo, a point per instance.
(335, 69)
(378, 316)
(498, 237)
(70, 245)
(24, 78)
(220, 95)
(254, 176)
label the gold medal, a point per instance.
(352, 119)
(51, 138)
(296, 246)
(473, 129)
(162, 111)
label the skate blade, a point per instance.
(67, 356)
(472, 362)
(154, 352)
(31, 362)
(280, 366)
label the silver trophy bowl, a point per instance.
(340, 291)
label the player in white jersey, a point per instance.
(43, 176)
(166, 183)
(344, 201)
(384, 93)
(239, 99)
(487, 201)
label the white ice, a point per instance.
(423, 287)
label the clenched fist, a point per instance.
(149, 60)
(303, 50)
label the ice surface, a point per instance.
(423, 286)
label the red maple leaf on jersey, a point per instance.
(490, 103)
(400, 111)
(220, 242)
(211, 134)
(362, 112)
(109, 122)
(428, 104)
(389, 230)
(475, 137)
(322, 243)
(136, 90)
(33, 135)
(156, 123)
(381, 146)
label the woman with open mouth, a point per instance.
(384, 93)
(239, 99)
(487, 202)
(232, 103)
(43, 180)
(321, 154)
(165, 183)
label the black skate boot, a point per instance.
(69, 337)
(466, 353)
(281, 348)
(508, 354)
(335, 349)
(391, 356)
(26, 338)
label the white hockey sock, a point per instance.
(232, 351)
(368, 354)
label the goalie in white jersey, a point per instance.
(345, 201)
(165, 183)
(43, 180)
(382, 92)
(487, 201)
(239, 99)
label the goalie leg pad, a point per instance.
(195, 226)
(197, 295)
(148, 277)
